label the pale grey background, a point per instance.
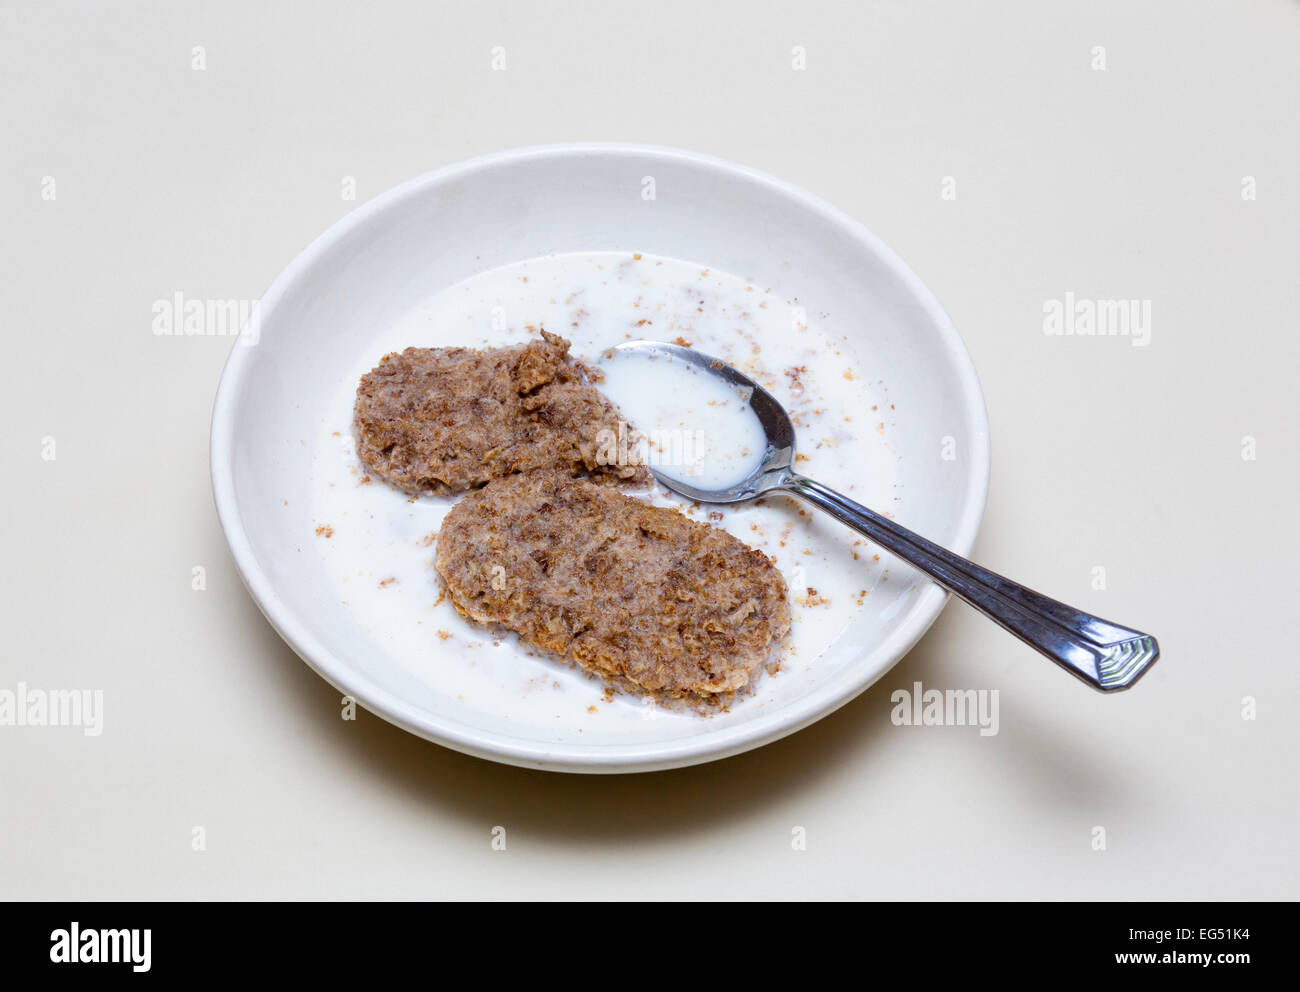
(1123, 183)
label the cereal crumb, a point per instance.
(813, 598)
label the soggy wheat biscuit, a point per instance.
(446, 420)
(624, 588)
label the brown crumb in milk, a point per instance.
(812, 598)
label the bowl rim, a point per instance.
(694, 749)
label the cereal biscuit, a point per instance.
(446, 420)
(626, 589)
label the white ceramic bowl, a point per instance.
(389, 255)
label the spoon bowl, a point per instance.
(773, 470)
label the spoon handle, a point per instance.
(1105, 655)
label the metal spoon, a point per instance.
(1103, 654)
